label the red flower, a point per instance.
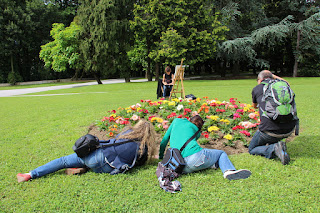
(237, 127)
(180, 116)
(113, 111)
(151, 117)
(141, 100)
(246, 133)
(220, 110)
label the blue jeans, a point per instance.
(95, 161)
(258, 144)
(208, 158)
(166, 88)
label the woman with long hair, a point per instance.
(138, 148)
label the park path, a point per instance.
(16, 92)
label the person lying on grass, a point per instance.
(107, 159)
(196, 157)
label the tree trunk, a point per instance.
(97, 77)
(12, 69)
(157, 68)
(148, 70)
(236, 68)
(295, 67)
(127, 79)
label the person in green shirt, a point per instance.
(196, 157)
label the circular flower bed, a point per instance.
(229, 121)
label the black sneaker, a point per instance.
(280, 149)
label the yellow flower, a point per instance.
(198, 99)
(176, 100)
(129, 110)
(172, 103)
(214, 117)
(225, 121)
(115, 126)
(165, 101)
(228, 137)
(246, 109)
(213, 128)
(159, 120)
(249, 105)
(139, 108)
(113, 115)
(153, 119)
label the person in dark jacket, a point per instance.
(167, 81)
(113, 159)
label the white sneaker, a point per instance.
(238, 174)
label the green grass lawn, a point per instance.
(37, 129)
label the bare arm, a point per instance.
(279, 78)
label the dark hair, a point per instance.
(168, 69)
(197, 120)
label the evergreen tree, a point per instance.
(105, 37)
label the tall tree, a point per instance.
(174, 28)
(105, 36)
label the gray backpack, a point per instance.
(280, 105)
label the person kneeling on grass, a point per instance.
(196, 157)
(111, 159)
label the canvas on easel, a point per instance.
(178, 82)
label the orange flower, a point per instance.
(110, 134)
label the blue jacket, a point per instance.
(121, 157)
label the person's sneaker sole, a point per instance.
(238, 174)
(281, 152)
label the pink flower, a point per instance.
(194, 113)
(165, 126)
(240, 110)
(252, 115)
(135, 117)
(164, 122)
(236, 115)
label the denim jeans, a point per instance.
(95, 161)
(166, 88)
(258, 144)
(208, 158)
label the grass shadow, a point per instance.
(305, 146)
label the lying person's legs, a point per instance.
(94, 160)
(213, 158)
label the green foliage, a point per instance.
(106, 37)
(175, 29)
(14, 77)
(24, 27)
(64, 51)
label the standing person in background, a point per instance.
(167, 81)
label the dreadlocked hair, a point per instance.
(144, 132)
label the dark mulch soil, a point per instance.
(219, 144)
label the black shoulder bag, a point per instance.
(88, 143)
(173, 159)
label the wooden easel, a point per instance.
(177, 79)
